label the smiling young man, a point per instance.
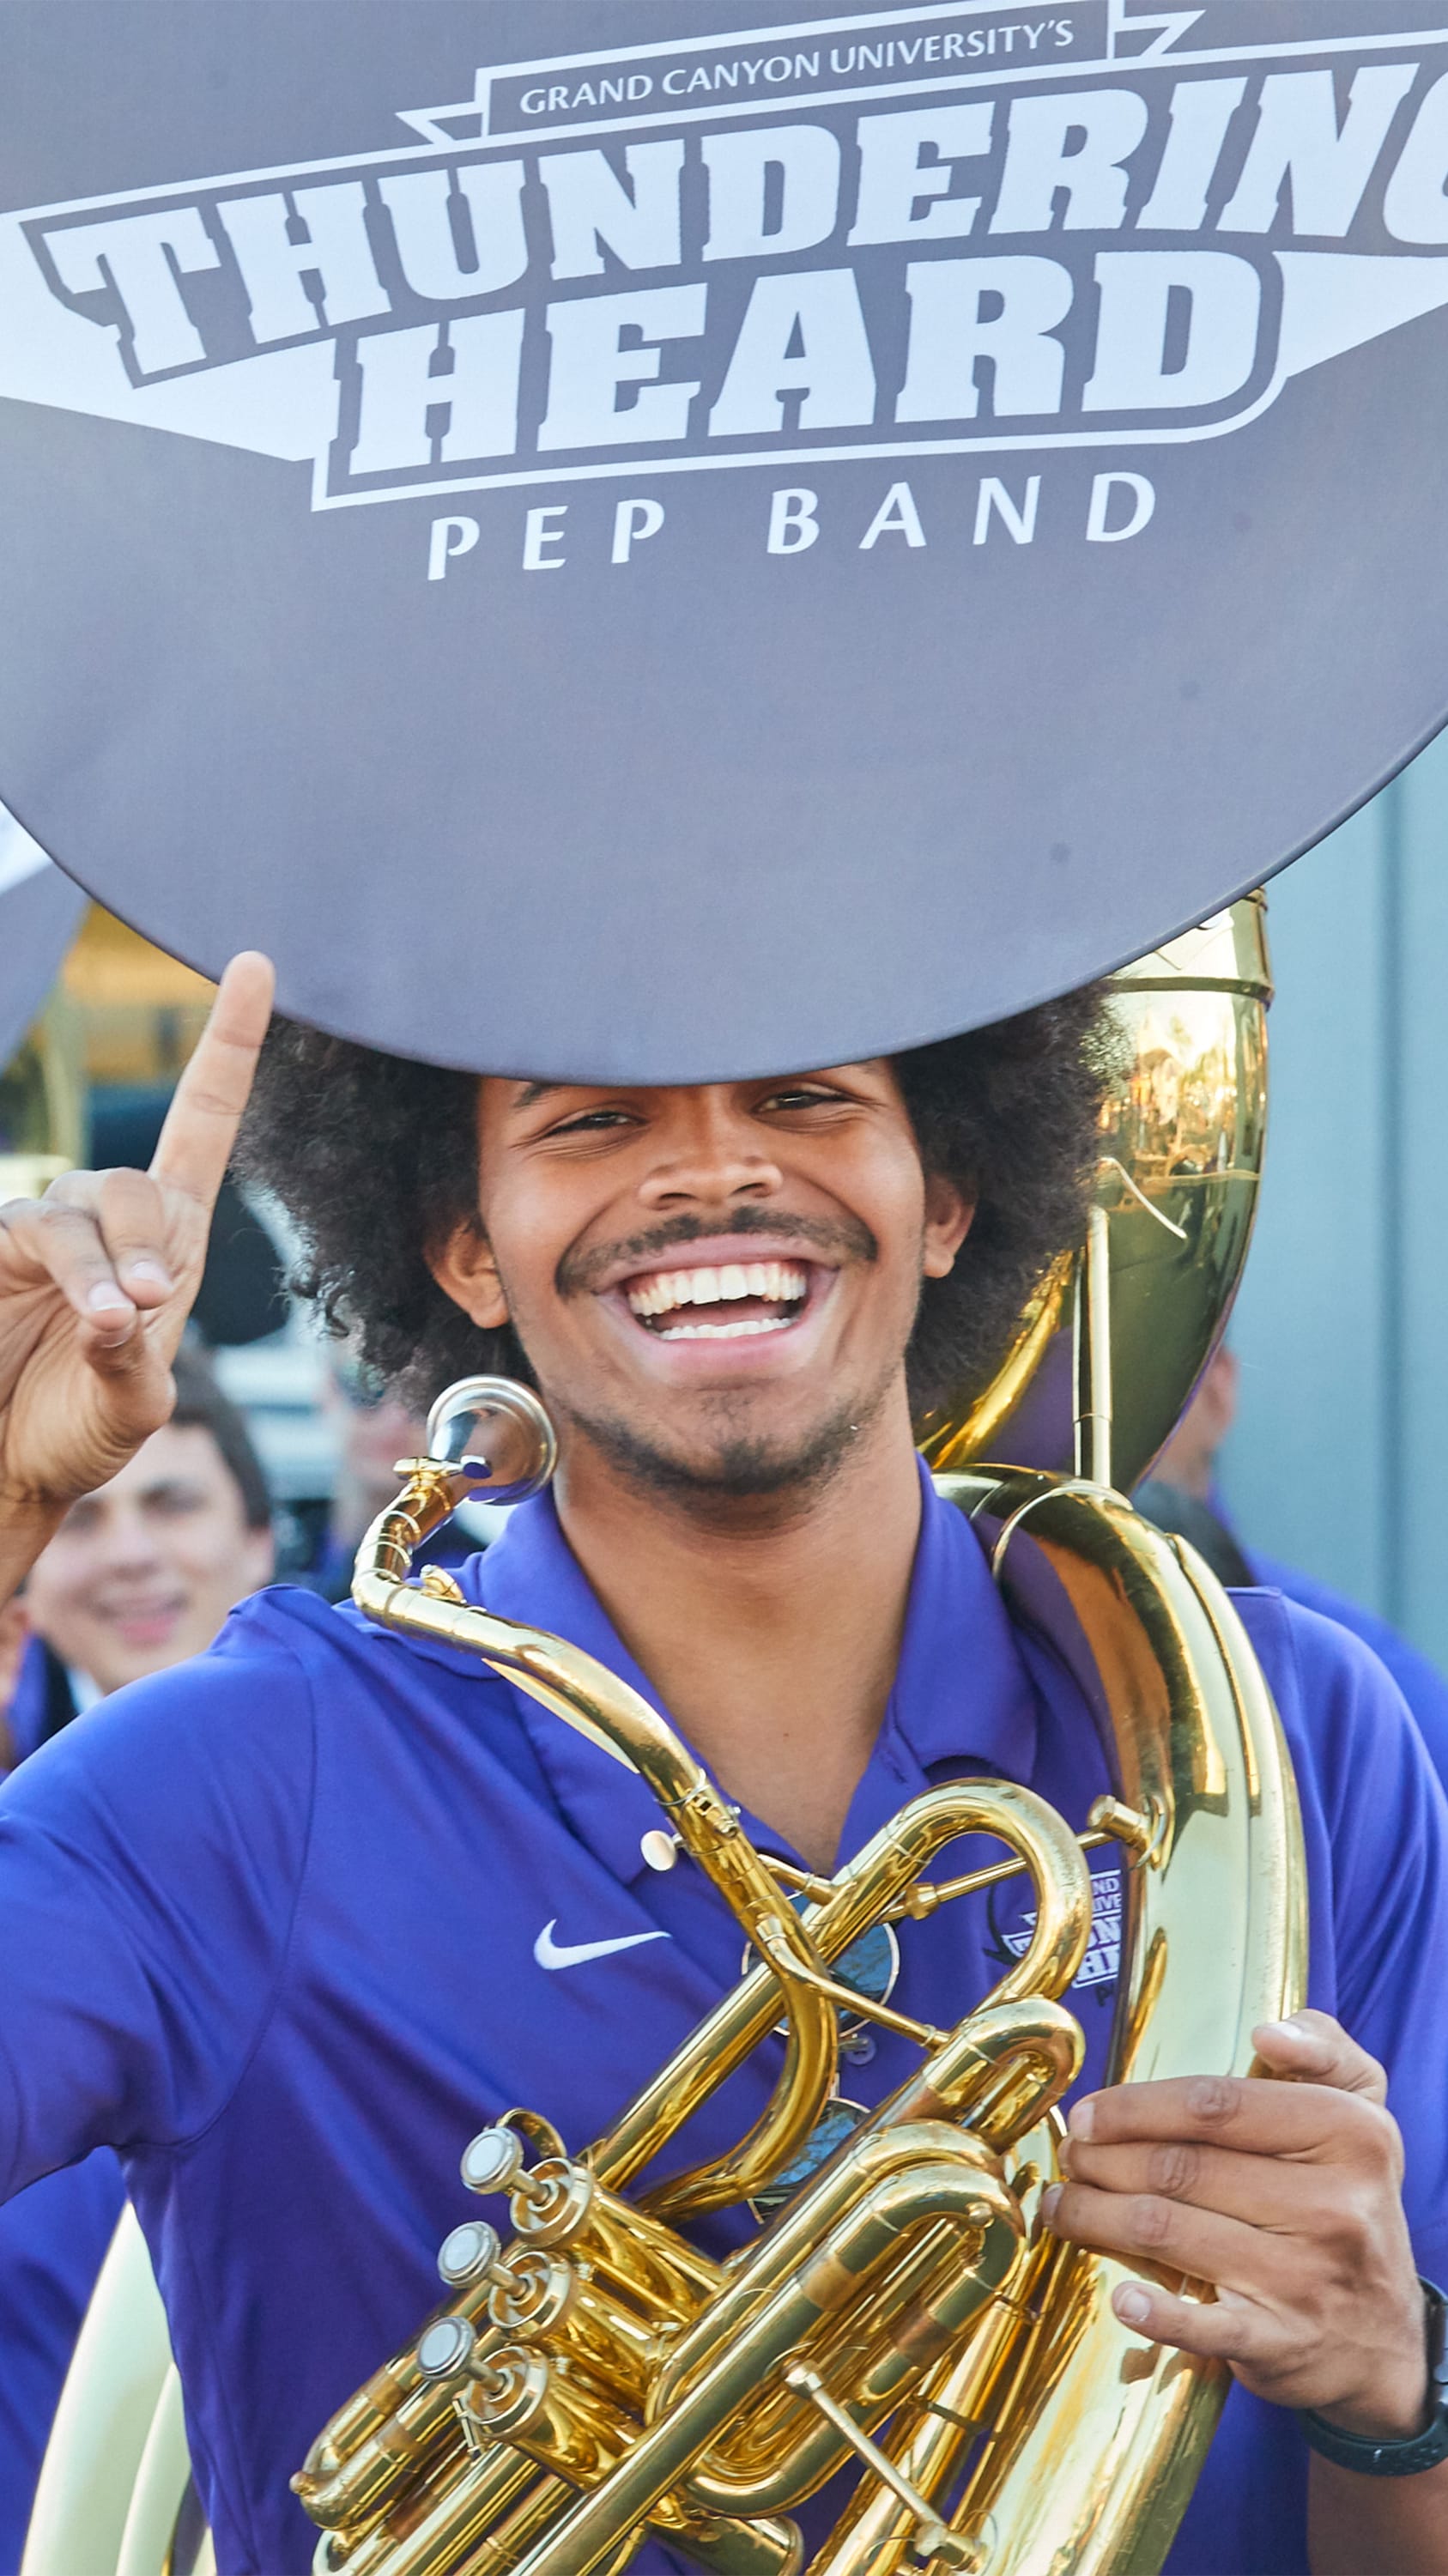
(386, 1896)
(142, 1572)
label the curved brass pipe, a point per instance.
(933, 2178)
(592, 1700)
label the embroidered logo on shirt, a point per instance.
(571, 1954)
(1103, 1951)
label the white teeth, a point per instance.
(723, 1332)
(775, 1280)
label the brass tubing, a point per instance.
(591, 1699)
(360, 2487)
(1093, 1352)
(1195, 1746)
(530, 2401)
(874, 2154)
(664, 2276)
(517, 2530)
(837, 2270)
(793, 2452)
(454, 2519)
(881, 1871)
(375, 2402)
(760, 2547)
(933, 1893)
(929, 2449)
(1001, 2069)
(542, 2300)
(847, 2350)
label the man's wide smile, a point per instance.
(727, 1297)
(762, 1296)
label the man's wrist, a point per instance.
(1400, 2401)
(1406, 2436)
(1396, 2415)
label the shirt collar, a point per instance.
(962, 1696)
(531, 1574)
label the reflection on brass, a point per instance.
(594, 2377)
(1181, 1155)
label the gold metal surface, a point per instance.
(597, 2377)
(1181, 1156)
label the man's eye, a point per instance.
(801, 1096)
(590, 1118)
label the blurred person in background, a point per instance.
(139, 1575)
(372, 1430)
(1182, 1494)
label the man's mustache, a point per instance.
(843, 1239)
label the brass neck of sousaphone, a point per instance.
(1113, 1340)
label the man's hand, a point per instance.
(1287, 2197)
(98, 1277)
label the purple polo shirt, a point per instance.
(271, 1925)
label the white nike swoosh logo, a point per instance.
(570, 1954)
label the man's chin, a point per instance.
(732, 1461)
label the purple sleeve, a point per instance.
(1376, 1826)
(150, 1858)
(1423, 1687)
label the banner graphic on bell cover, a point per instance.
(963, 229)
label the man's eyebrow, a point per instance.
(531, 1091)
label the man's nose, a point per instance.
(129, 1541)
(711, 1156)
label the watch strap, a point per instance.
(1420, 2451)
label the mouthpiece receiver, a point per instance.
(494, 1433)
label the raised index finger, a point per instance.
(195, 1143)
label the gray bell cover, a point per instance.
(40, 912)
(621, 541)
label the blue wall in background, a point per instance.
(1339, 1462)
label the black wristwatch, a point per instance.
(1421, 2450)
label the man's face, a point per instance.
(143, 1572)
(715, 1283)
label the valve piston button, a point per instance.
(493, 2160)
(468, 2253)
(445, 2348)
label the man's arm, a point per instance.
(1365, 2526)
(151, 1860)
(97, 1280)
(1287, 2196)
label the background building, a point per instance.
(1338, 1460)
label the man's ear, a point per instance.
(948, 1218)
(465, 1270)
